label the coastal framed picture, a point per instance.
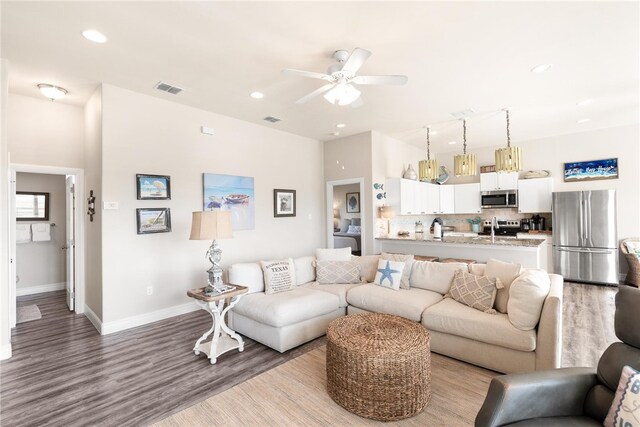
(284, 203)
(231, 193)
(591, 170)
(353, 202)
(153, 187)
(153, 220)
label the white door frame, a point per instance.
(79, 231)
(329, 205)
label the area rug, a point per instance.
(27, 313)
(294, 394)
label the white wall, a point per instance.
(42, 132)
(93, 181)
(5, 330)
(43, 263)
(340, 199)
(143, 134)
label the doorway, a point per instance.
(346, 215)
(46, 235)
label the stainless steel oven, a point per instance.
(499, 199)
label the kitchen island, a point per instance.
(531, 253)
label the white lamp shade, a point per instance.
(342, 94)
(211, 225)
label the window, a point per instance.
(31, 206)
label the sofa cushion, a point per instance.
(330, 272)
(287, 308)
(389, 274)
(451, 317)
(478, 292)
(279, 275)
(526, 298)
(408, 263)
(506, 272)
(368, 267)
(305, 269)
(477, 269)
(339, 289)
(341, 254)
(434, 276)
(408, 303)
(247, 274)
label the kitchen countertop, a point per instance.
(486, 241)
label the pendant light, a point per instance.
(464, 164)
(508, 159)
(428, 169)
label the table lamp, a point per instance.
(212, 225)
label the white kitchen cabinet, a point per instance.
(432, 205)
(447, 199)
(409, 197)
(534, 195)
(494, 181)
(467, 198)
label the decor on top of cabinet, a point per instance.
(464, 164)
(410, 173)
(444, 175)
(591, 170)
(475, 224)
(508, 159)
(428, 168)
(537, 174)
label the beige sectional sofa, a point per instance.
(288, 319)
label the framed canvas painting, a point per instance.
(153, 187)
(231, 193)
(153, 220)
(591, 170)
(353, 202)
(284, 203)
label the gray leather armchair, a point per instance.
(569, 396)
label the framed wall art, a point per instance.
(231, 193)
(284, 203)
(353, 202)
(153, 220)
(591, 170)
(153, 187)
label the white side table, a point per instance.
(224, 339)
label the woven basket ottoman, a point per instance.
(378, 365)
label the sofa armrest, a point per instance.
(549, 337)
(553, 393)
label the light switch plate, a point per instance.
(110, 205)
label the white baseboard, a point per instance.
(5, 351)
(40, 289)
(93, 318)
(143, 319)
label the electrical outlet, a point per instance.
(149, 290)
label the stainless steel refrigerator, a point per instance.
(585, 236)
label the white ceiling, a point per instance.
(457, 55)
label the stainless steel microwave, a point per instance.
(499, 199)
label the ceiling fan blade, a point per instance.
(357, 103)
(315, 93)
(355, 60)
(380, 80)
(303, 73)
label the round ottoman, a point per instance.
(378, 365)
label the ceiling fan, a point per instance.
(342, 76)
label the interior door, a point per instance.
(12, 248)
(70, 242)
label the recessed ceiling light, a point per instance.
(541, 68)
(433, 132)
(453, 142)
(583, 120)
(584, 102)
(94, 36)
(335, 133)
(340, 125)
(52, 92)
(257, 95)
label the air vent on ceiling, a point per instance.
(271, 119)
(464, 114)
(168, 88)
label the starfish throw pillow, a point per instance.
(389, 274)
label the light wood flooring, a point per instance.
(64, 373)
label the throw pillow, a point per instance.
(506, 272)
(389, 274)
(526, 298)
(329, 272)
(354, 229)
(342, 254)
(478, 292)
(434, 276)
(279, 275)
(408, 263)
(344, 225)
(624, 410)
(368, 267)
(477, 269)
(355, 221)
(633, 248)
(305, 269)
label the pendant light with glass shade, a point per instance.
(464, 164)
(508, 159)
(428, 169)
